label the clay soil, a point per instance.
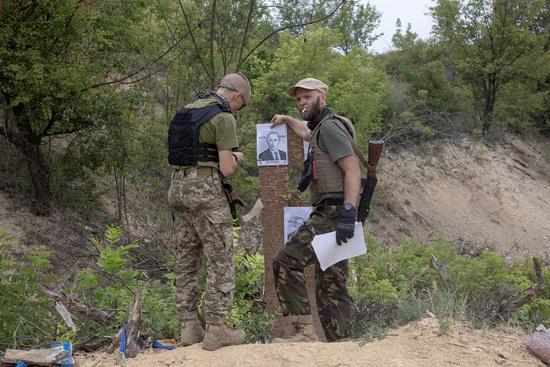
(478, 196)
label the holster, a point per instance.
(233, 199)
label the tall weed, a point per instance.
(27, 317)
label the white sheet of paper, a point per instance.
(329, 253)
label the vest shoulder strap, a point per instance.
(204, 114)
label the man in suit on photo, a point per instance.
(273, 153)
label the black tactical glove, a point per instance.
(346, 228)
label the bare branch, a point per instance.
(440, 272)
(211, 44)
(287, 27)
(245, 33)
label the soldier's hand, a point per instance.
(278, 120)
(346, 228)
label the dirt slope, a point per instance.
(478, 196)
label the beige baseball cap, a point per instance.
(308, 83)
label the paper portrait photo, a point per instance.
(295, 216)
(271, 145)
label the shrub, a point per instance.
(249, 307)
(27, 317)
(394, 287)
(113, 288)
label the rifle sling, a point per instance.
(356, 149)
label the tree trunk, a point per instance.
(490, 96)
(39, 173)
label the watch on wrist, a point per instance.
(348, 207)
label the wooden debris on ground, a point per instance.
(78, 307)
(39, 357)
(129, 334)
(132, 328)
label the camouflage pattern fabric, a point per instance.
(333, 299)
(202, 229)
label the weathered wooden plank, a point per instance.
(40, 357)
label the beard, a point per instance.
(313, 112)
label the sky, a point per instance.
(409, 11)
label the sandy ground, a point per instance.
(418, 344)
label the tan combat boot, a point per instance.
(218, 336)
(304, 330)
(191, 332)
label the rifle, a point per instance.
(233, 199)
(368, 183)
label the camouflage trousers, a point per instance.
(202, 229)
(332, 296)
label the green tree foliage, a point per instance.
(356, 88)
(296, 15)
(215, 37)
(428, 101)
(210, 38)
(354, 21)
(357, 24)
(62, 73)
(359, 91)
(498, 49)
(404, 41)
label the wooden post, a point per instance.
(276, 194)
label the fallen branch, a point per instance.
(116, 342)
(153, 334)
(530, 293)
(78, 308)
(129, 334)
(84, 344)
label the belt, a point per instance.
(330, 202)
(206, 171)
